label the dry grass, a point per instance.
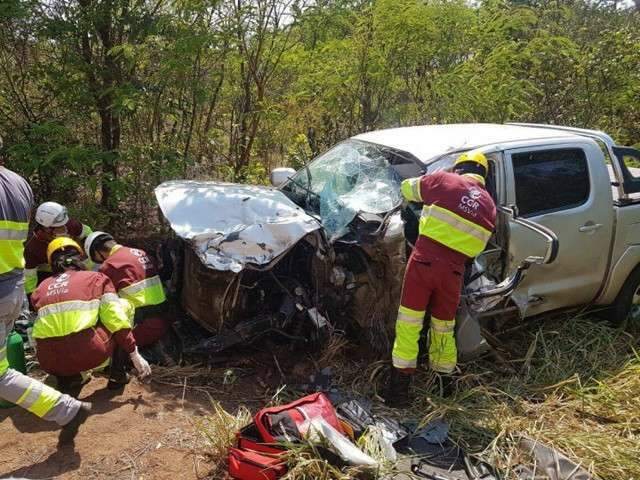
(571, 383)
(333, 351)
(576, 388)
(219, 430)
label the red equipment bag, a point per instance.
(283, 423)
(248, 465)
(249, 439)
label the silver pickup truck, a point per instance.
(328, 245)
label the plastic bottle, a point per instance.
(15, 356)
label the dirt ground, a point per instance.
(145, 433)
(151, 430)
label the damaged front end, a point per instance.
(324, 253)
(228, 260)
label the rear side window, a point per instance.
(550, 180)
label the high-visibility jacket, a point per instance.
(35, 254)
(458, 215)
(74, 301)
(135, 276)
(15, 202)
(12, 237)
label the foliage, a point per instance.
(100, 100)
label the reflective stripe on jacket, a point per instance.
(135, 276)
(73, 301)
(12, 237)
(16, 200)
(30, 280)
(458, 213)
(453, 231)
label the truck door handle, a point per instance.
(590, 227)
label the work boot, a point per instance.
(448, 384)
(118, 377)
(157, 353)
(396, 393)
(117, 382)
(70, 430)
(71, 385)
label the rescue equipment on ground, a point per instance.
(16, 359)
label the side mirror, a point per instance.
(279, 176)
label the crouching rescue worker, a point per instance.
(28, 393)
(51, 221)
(135, 276)
(457, 219)
(81, 322)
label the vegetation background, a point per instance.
(101, 100)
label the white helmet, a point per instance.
(52, 214)
(88, 243)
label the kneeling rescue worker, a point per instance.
(81, 322)
(457, 219)
(135, 277)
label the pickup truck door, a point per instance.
(566, 188)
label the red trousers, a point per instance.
(150, 330)
(428, 285)
(434, 285)
(79, 352)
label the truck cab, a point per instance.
(576, 186)
(567, 233)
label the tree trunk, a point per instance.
(110, 143)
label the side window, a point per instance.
(629, 162)
(550, 180)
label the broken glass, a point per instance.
(352, 177)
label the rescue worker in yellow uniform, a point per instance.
(82, 322)
(457, 219)
(135, 276)
(15, 203)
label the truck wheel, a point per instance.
(627, 304)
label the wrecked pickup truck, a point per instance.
(325, 249)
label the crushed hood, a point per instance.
(231, 225)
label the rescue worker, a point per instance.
(135, 276)
(458, 216)
(15, 203)
(51, 221)
(82, 322)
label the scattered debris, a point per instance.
(549, 464)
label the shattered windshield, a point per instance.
(352, 177)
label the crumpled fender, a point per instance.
(231, 225)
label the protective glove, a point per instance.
(140, 364)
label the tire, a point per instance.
(627, 304)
